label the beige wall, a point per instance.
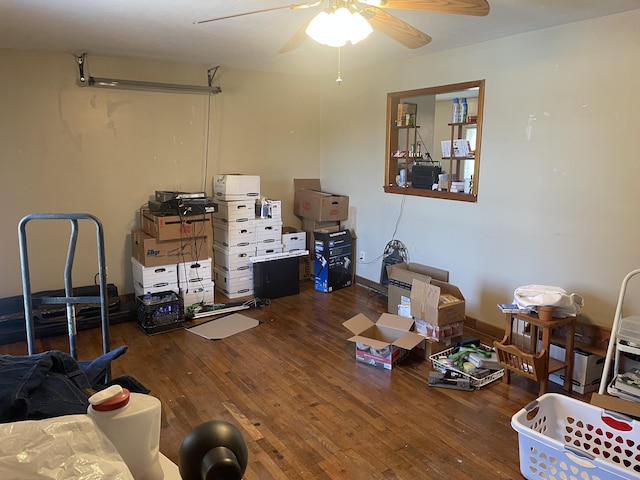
(67, 148)
(558, 196)
(554, 207)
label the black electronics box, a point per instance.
(333, 266)
(184, 208)
(167, 196)
(424, 176)
(276, 278)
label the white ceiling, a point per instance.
(165, 30)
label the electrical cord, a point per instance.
(205, 172)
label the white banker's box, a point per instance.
(236, 187)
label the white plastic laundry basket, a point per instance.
(561, 438)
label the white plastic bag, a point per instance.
(533, 296)
(71, 447)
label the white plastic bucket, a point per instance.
(132, 422)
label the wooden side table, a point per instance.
(526, 344)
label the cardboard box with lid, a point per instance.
(312, 203)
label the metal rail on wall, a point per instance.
(125, 84)
(69, 299)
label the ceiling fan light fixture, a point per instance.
(360, 28)
(336, 28)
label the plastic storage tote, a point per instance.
(560, 437)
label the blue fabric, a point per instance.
(97, 369)
(52, 383)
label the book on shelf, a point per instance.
(629, 382)
(513, 308)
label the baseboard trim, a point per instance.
(371, 285)
(484, 328)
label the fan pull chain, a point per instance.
(339, 79)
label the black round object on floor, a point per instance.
(214, 450)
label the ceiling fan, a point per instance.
(375, 13)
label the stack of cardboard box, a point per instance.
(171, 253)
(330, 246)
(436, 307)
(234, 233)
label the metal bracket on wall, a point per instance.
(88, 80)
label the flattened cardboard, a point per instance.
(417, 269)
(306, 184)
(426, 305)
(358, 323)
(395, 321)
(616, 404)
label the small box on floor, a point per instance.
(587, 369)
(160, 312)
(333, 267)
(383, 343)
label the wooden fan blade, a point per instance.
(298, 38)
(395, 28)
(293, 7)
(461, 7)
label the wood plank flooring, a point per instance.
(306, 408)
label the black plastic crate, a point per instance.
(160, 312)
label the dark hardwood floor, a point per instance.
(306, 408)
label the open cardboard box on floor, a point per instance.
(401, 276)
(437, 303)
(385, 342)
